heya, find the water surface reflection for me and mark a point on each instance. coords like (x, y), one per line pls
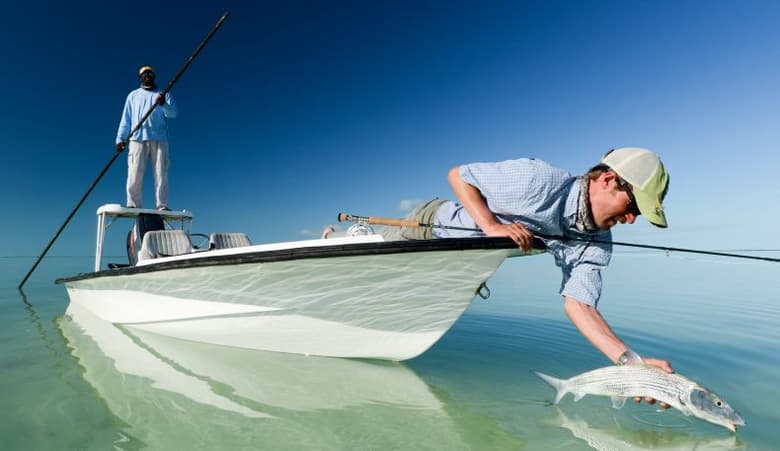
(619, 437)
(174, 394)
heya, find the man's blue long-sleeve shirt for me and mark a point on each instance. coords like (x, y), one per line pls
(155, 127)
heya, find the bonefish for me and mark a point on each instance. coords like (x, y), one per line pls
(622, 382)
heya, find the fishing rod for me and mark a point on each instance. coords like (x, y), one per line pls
(117, 152)
(393, 222)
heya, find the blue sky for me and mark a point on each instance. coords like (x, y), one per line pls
(295, 112)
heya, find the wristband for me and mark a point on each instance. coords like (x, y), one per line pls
(628, 357)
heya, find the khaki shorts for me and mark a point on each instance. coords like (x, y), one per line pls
(424, 214)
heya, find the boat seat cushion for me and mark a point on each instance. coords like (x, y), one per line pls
(164, 243)
(222, 240)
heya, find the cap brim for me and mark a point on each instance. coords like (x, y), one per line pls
(651, 207)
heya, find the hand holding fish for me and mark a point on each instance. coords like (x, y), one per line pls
(596, 329)
(664, 365)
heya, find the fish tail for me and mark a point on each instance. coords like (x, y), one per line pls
(558, 384)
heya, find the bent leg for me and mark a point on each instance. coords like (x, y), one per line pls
(423, 214)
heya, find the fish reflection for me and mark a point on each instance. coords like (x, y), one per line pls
(630, 440)
(174, 394)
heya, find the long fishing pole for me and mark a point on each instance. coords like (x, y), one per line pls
(393, 222)
(117, 152)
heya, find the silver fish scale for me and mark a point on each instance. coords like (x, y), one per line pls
(631, 380)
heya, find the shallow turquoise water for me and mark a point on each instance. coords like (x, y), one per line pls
(717, 320)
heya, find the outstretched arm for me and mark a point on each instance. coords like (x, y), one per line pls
(471, 199)
(596, 330)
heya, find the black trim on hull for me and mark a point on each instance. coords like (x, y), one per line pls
(341, 250)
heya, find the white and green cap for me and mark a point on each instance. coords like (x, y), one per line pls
(643, 169)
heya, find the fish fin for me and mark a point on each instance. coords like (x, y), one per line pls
(618, 402)
(578, 396)
(558, 384)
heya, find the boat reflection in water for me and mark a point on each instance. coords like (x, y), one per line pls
(175, 394)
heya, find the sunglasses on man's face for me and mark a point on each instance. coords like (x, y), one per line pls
(633, 208)
(148, 73)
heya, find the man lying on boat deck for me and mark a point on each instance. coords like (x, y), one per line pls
(516, 198)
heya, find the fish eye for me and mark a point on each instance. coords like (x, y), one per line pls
(719, 403)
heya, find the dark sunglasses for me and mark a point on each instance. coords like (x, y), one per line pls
(147, 72)
(633, 208)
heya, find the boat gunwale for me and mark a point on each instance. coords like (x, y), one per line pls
(309, 252)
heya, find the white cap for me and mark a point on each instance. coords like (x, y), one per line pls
(643, 169)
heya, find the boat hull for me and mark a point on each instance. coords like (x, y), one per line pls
(377, 301)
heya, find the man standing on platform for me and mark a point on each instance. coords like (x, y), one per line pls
(150, 141)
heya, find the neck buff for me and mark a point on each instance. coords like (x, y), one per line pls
(584, 221)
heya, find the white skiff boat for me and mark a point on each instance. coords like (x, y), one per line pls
(352, 296)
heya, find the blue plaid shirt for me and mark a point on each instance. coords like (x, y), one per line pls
(544, 199)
